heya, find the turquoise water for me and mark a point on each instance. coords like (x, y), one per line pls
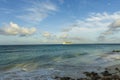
(32, 57)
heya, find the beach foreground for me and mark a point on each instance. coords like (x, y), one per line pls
(92, 73)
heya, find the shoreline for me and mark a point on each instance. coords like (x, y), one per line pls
(48, 74)
(69, 74)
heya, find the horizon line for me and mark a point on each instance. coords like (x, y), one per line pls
(59, 44)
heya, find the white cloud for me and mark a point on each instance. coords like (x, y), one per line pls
(103, 16)
(74, 39)
(64, 35)
(15, 29)
(61, 37)
(47, 34)
(38, 11)
(94, 26)
(86, 30)
(86, 26)
(113, 28)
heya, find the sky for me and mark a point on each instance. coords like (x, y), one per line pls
(58, 21)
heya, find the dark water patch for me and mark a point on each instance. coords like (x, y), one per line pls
(6, 67)
(99, 58)
(10, 51)
(68, 56)
(18, 51)
(42, 58)
(46, 65)
(10, 62)
(82, 54)
(39, 59)
(74, 55)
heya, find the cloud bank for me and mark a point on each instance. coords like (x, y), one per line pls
(113, 28)
(15, 29)
(97, 27)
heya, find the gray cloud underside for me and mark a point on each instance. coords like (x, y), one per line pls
(113, 28)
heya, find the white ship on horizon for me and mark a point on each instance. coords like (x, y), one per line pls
(67, 42)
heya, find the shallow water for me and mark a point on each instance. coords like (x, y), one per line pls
(30, 58)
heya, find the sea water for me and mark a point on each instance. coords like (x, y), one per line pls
(45, 61)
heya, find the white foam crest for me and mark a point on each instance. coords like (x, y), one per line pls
(113, 57)
(42, 74)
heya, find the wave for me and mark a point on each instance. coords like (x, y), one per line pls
(109, 58)
(47, 74)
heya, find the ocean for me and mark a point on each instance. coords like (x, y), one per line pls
(29, 61)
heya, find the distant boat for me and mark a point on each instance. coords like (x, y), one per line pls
(67, 43)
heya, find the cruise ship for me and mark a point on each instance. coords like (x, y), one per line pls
(67, 43)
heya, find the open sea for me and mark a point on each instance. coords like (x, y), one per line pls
(43, 62)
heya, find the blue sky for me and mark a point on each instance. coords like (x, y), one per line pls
(57, 21)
